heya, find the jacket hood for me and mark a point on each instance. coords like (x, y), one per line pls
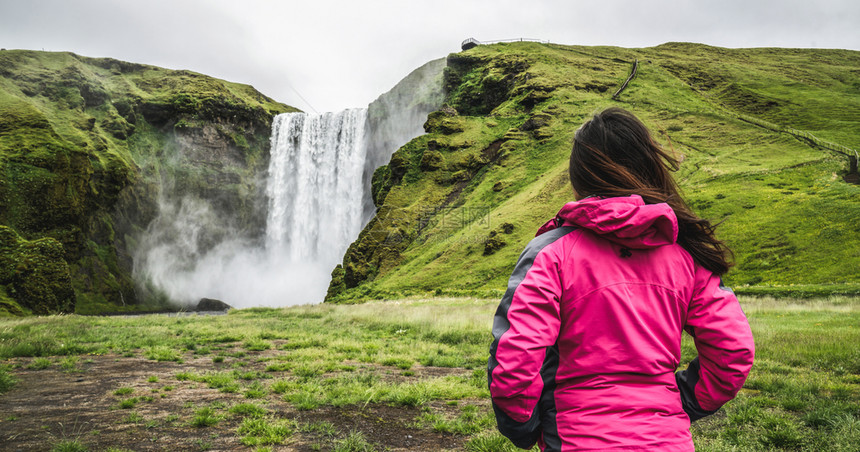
(627, 221)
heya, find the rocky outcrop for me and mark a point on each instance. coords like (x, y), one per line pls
(451, 157)
(212, 305)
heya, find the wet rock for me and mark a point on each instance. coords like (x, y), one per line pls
(211, 304)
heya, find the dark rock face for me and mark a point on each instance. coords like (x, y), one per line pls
(211, 304)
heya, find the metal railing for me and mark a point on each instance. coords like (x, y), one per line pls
(835, 147)
(472, 42)
(469, 43)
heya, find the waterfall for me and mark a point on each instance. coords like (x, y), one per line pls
(315, 186)
(315, 193)
(316, 203)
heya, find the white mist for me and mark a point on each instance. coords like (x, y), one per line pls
(315, 195)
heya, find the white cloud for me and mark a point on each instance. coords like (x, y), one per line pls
(341, 54)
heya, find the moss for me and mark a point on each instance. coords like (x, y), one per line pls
(8, 305)
(34, 275)
(536, 122)
(476, 85)
(380, 183)
(431, 160)
(444, 122)
(240, 141)
(337, 285)
(493, 243)
(117, 126)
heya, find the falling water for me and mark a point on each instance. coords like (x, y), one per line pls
(315, 186)
(315, 196)
(318, 198)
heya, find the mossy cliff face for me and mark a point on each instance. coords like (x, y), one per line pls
(397, 116)
(34, 276)
(87, 147)
(394, 118)
(457, 205)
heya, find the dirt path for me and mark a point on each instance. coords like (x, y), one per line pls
(52, 405)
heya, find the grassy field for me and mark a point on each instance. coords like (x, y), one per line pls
(407, 374)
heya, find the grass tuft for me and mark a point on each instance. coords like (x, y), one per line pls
(39, 364)
(128, 403)
(7, 380)
(205, 417)
(355, 441)
(248, 410)
(69, 446)
(163, 353)
(263, 431)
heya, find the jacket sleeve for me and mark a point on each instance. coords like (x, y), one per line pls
(526, 324)
(725, 345)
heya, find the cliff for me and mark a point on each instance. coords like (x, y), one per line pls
(89, 147)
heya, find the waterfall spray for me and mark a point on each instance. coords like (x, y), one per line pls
(315, 196)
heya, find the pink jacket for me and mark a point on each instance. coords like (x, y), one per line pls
(588, 334)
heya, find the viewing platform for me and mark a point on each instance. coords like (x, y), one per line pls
(472, 42)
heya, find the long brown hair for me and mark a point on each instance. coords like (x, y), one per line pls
(615, 155)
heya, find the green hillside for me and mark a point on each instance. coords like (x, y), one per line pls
(457, 205)
(87, 146)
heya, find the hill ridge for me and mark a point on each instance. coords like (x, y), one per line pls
(530, 97)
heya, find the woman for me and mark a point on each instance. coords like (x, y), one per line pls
(588, 334)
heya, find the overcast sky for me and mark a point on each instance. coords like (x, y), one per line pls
(329, 55)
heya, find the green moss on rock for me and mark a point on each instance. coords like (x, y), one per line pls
(380, 183)
(432, 160)
(337, 285)
(33, 275)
